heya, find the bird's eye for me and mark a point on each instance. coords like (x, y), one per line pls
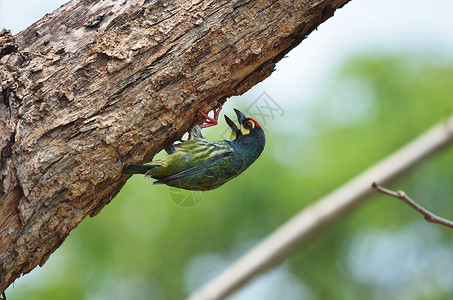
(248, 125)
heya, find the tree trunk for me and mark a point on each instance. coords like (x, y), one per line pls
(100, 84)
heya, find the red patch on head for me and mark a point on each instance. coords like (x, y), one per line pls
(256, 123)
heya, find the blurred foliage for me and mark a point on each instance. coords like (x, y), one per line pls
(143, 246)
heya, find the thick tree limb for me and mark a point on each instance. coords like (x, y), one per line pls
(322, 213)
(99, 84)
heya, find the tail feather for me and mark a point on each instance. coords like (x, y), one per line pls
(137, 169)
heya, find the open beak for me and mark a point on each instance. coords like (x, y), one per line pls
(241, 116)
(232, 125)
(241, 119)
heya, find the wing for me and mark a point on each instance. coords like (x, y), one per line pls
(200, 150)
(190, 154)
(195, 175)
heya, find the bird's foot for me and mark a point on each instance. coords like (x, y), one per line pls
(209, 122)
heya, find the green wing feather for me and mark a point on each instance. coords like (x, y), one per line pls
(201, 176)
(189, 154)
(197, 164)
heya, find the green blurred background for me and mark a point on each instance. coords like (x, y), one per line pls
(145, 246)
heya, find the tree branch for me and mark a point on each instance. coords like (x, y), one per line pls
(429, 216)
(323, 213)
(99, 84)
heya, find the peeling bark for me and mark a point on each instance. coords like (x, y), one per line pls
(100, 84)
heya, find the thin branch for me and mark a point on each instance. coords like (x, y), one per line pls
(429, 216)
(323, 213)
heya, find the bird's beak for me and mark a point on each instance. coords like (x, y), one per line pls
(241, 116)
(231, 124)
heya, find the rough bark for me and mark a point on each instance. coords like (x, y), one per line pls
(100, 84)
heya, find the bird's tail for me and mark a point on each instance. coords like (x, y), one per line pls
(137, 169)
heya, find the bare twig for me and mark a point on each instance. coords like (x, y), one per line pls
(429, 216)
(323, 213)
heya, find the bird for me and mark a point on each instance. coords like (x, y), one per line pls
(198, 164)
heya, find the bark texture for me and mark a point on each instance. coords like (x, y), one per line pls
(99, 84)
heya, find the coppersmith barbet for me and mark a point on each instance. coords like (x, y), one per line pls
(199, 164)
